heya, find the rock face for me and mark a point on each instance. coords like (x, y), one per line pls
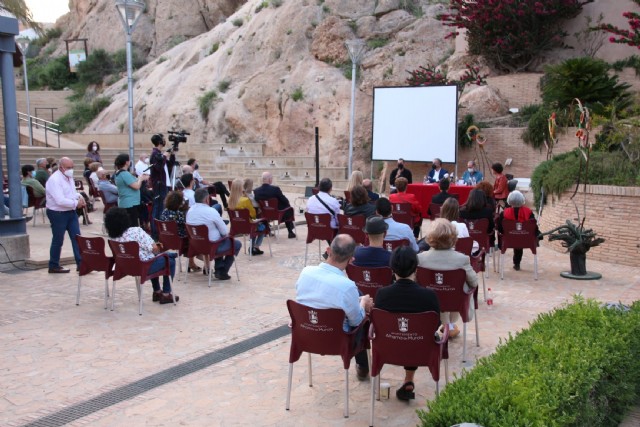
(286, 72)
(483, 102)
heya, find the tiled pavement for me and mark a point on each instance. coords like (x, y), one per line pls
(55, 354)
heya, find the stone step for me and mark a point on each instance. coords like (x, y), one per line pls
(223, 150)
(262, 162)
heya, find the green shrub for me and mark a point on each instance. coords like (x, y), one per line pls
(98, 65)
(276, 3)
(537, 131)
(261, 6)
(377, 42)
(214, 48)
(237, 22)
(52, 73)
(119, 58)
(559, 174)
(575, 366)
(82, 113)
(468, 120)
(223, 86)
(205, 102)
(297, 94)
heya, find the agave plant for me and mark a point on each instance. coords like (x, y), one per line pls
(578, 241)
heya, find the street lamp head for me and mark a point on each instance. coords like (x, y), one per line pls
(356, 48)
(23, 44)
(130, 11)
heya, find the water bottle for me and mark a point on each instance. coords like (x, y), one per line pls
(489, 299)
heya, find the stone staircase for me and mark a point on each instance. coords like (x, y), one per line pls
(42, 100)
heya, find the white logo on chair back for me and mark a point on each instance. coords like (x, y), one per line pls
(439, 278)
(471, 225)
(518, 226)
(266, 203)
(389, 247)
(89, 244)
(316, 219)
(237, 214)
(121, 247)
(164, 227)
(313, 317)
(398, 206)
(349, 221)
(403, 324)
(366, 275)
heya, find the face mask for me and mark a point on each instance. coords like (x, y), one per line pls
(400, 166)
(94, 148)
(433, 167)
(197, 166)
(69, 173)
(33, 174)
(146, 160)
(470, 170)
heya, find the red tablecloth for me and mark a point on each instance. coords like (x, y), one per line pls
(424, 193)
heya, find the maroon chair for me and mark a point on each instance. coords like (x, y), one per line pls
(94, 258)
(199, 244)
(478, 229)
(320, 331)
(519, 235)
(318, 228)
(434, 211)
(37, 203)
(79, 185)
(401, 212)
(406, 339)
(171, 241)
(464, 245)
(347, 196)
(478, 263)
(390, 245)
(128, 263)
(243, 225)
(93, 191)
(370, 279)
(106, 205)
(449, 287)
(271, 212)
(354, 227)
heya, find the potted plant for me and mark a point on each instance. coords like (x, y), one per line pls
(578, 241)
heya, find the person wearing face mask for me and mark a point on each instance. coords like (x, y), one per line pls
(42, 173)
(400, 171)
(128, 189)
(62, 202)
(221, 189)
(161, 169)
(142, 165)
(472, 176)
(29, 180)
(437, 173)
(93, 152)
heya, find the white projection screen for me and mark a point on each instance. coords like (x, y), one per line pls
(415, 123)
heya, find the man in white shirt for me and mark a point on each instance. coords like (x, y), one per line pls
(323, 202)
(143, 165)
(202, 214)
(62, 202)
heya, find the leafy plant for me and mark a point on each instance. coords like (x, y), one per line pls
(433, 76)
(205, 102)
(52, 73)
(378, 42)
(161, 60)
(214, 48)
(261, 6)
(537, 131)
(412, 6)
(237, 22)
(223, 86)
(511, 34)
(298, 94)
(467, 121)
(82, 113)
(276, 3)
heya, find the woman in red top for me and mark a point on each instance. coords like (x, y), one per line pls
(500, 186)
(516, 211)
(403, 197)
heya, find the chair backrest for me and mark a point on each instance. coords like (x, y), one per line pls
(370, 279)
(269, 209)
(127, 257)
(405, 339)
(106, 205)
(519, 235)
(168, 235)
(240, 222)
(319, 227)
(93, 191)
(390, 245)
(347, 196)
(353, 226)
(79, 185)
(464, 245)
(199, 243)
(32, 200)
(93, 256)
(478, 230)
(434, 211)
(401, 212)
(449, 287)
(317, 331)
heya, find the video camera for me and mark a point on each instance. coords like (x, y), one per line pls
(177, 137)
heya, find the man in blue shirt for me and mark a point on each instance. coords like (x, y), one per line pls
(326, 286)
(374, 255)
(472, 176)
(396, 230)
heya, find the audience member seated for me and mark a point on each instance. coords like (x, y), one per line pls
(500, 186)
(327, 286)
(487, 189)
(442, 236)
(42, 174)
(403, 197)
(323, 202)
(517, 211)
(359, 203)
(269, 191)
(396, 230)
(187, 182)
(175, 208)
(221, 189)
(374, 255)
(93, 176)
(109, 190)
(368, 185)
(29, 180)
(477, 208)
(202, 214)
(355, 179)
(118, 228)
(406, 296)
(239, 200)
(247, 185)
(451, 212)
(443, 195)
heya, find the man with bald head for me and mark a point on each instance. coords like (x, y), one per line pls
(268, 191)
(62, 202)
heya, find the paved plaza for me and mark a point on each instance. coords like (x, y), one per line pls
(56, 355)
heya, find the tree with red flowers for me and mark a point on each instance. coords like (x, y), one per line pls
(511, 34)
(629, 37)
(431, 76)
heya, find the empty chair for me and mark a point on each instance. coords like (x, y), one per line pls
(170, 239)
(370, 279)
(243, 225)
(199, 244)
(449, 286)
(271, 212)
(390, 245)
(354, 227)
(405, 339)
(318, 228)
(94, 258)
(519, 235)
(319, 331)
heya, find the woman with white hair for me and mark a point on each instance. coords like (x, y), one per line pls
(516, 211)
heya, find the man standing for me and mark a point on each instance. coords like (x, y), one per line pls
(268, 191)
(202, 214)
(161, 169)
(396, 230)
(400, 171)
(374, 255)
(323, 202)
(368, 185)
(437, 173)
(326, 286)
(62, 202)
(42, 174)
(472, 176)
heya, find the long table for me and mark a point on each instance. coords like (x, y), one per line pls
(424, 193)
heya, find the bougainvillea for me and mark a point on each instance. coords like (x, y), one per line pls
(431, 76)
(511, 33)
(629, 37)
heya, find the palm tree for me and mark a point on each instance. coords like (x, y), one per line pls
(20, 10)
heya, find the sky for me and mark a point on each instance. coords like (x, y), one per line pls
(47, 10)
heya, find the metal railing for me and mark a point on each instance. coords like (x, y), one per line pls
(38, 123)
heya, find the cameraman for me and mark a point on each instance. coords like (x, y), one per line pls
(161, 165)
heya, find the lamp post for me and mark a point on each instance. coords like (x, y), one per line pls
(356, 51)
(23, 44)
(130, 11)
